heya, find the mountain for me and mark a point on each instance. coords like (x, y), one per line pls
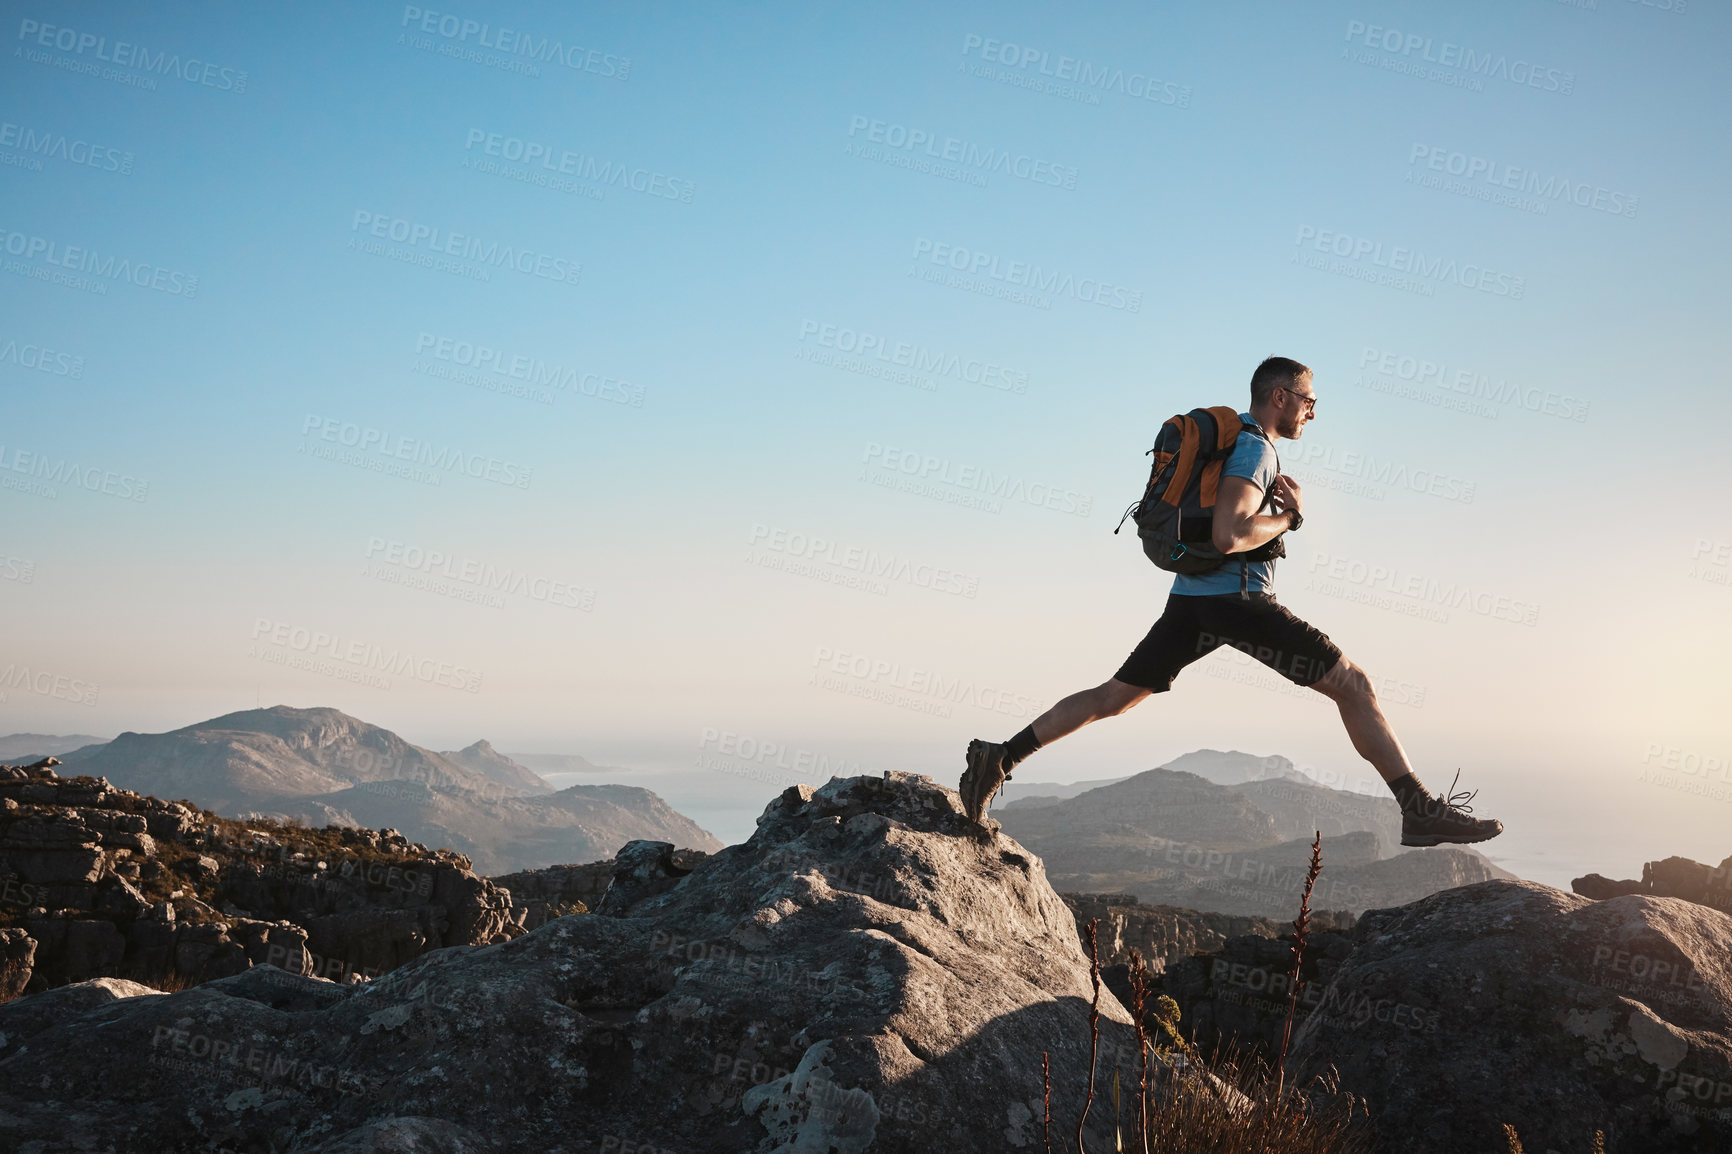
(1229, 768)
(482, 758)
(1300, 806)
(323, 767)
(18, 748)
(1233, 768)
(1170, 837)
(1033, 794)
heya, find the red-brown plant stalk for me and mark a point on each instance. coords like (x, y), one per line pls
(1301, 931)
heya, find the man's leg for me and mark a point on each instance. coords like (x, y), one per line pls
(1425, 820)
(989, 765)
(1106, 700)
(1350, 689)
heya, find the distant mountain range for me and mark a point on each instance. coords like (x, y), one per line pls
(323, 767)
(23, 748)
(1172, 837)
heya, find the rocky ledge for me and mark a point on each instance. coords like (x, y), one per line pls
(102, 882)
(868, 972)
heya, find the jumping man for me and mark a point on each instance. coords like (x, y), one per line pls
(1235, 605)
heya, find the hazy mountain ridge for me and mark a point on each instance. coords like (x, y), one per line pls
(1171, 837)
(322, 766)
(27, 747)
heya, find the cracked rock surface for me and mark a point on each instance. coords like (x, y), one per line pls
(1512, 1001)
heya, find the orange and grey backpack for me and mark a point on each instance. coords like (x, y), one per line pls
(1176, 515)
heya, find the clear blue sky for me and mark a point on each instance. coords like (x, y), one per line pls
(776, 269)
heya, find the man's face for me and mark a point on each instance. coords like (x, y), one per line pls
(1297, 407)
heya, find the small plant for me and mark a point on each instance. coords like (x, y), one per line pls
(1300, 935)
(1046, 1078)
(1094, 1029)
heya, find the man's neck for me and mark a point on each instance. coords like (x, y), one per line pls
(1264, 417)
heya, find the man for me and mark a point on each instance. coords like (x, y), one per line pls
(1255, 503)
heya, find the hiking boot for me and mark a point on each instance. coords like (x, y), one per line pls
(985, 773)
(1441, 820)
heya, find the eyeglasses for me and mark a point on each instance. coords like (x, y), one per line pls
(1310, 399)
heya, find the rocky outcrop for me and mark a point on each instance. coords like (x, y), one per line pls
(1160, 934)
(557, 891)
(101, 882)
(868, 972)
(1238, 994)
(1510, 1001)
(1674, 877)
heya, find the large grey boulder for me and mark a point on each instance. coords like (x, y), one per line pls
(869, 972)
(1513, 1002)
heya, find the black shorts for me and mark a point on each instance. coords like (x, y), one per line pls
(1194, 627)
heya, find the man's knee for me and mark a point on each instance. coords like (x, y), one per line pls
(1346, 682)
(1118, 696)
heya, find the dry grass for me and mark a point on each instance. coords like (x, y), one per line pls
(1230, 1103)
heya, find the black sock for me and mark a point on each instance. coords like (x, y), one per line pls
(1409, 794)
(1019, 747)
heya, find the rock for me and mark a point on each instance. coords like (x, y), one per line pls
(1546, 1010)
(17, 960)
(1241, 991)
(868, 972)
(641, 870)
(1161, 934)
(75, 949)
(89, 1003)
(1599, 888)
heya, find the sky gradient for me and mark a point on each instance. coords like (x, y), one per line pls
(607, 380)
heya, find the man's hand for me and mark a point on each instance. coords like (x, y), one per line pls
(1287, 494)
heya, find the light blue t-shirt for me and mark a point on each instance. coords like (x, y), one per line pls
(1252, 458)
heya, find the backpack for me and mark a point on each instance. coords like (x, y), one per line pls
(1176, 515)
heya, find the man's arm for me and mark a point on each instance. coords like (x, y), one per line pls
(1238, 526)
